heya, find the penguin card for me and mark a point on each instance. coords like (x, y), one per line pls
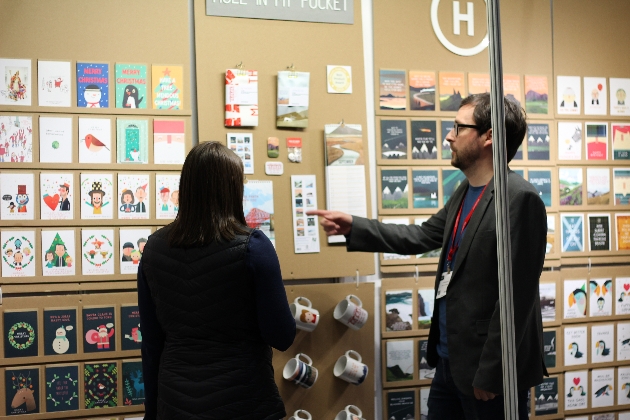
(57, 195)
(398, 310)
(132, 141)
(133, 196)
(600, 297)
(17, 83)
(570, 140)
(575, 298)
(426, 300)
(546, 397)
(399, 360)
(131, 86)
(575, 346)
(572, 232)
(18, 253)
(97, 196)
(62, 388)
(58, 252)
(569, 95)
(16, 139)
(130, 324)
(602, 343)
(55, 139)
(100, 385)
(97, 250)
(22, 393)
(17, 191)
(166, 196)
(169, 142)
(576, 390)
(241, 98)
(20, 334)
(92, 85)
(602, 387)
(54, 83)
(623, 341)
(538, 141)
(133, 382)
(167, 83)
(595, 96)
(622, 296)
(98, 329)
(132, 243)
(60, 331)
(619, 101)
(623, 386)
(95, 140)
(547, 293)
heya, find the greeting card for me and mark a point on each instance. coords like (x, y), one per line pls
(595, 96)
(133, 383)
(398, 310)
(546, 397)
(512, 88)
(603, 343)
(95, 140)
(623, 386)
(575, 346)
(575, 296)
(570, 182)
(132, 141)
(622, 296)
(17, 84)
(598, 186)
(97, 194)
(422, 90)
(572, 232)
(401, 404)
(619, 89)
(550, 348)
(167, 83)
(622, 228)
(451, 180)
(399, 360)
(551, 234)
(133, 196)
(425, 189)
(58, 253)
(424, 139)
(394, 139)
(243, 145)
(547, 292)
(169, 145)
(621, 181)
(394, 189)
(57, 195)
(392, 95)
(425, 371)
(62, 388)
(22, 394)
(93, 85)
(541, 180)
(60, 331)
(599, 232)
(20, 334)
(241, 98)
(16, 191)
(55, 139)
(16, 139)
(570, 140)
(538, 141)
(100, 385)
(426, 300)
(623, 341)
(98, 327)
(258, 207)
(131, 86)
(536, 94)
(97, 248)
(621, 141)
(131, 331)
(54, 83)
(569, 95)
(478, 83)
(292, 102)
(602, 387)
(132, 242)
(451, 87)
(166, 196)
(447, 127)
(18, 253)
(596, 140)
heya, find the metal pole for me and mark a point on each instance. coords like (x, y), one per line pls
(501, 205)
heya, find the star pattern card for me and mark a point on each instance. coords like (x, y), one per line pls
(132, 243)
(166, 196)
(57, 195)
(132, 141)
(99, 330)
(58, 252)
(22, 392)
(55, 139)
(16, 139)
(17, 191)
(54, 83)
(62, 388)
(97, 249)
(169, 142)
(133, 196)
(97, 196)
(100, 382)
(95, 140)
(60, 332)
(17, 82)
(18, 253)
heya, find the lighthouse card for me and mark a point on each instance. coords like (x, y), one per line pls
(575, 346)
(424, 139)
(258, 207)
(58, 252)
(16, 139)
(57, 195)
(22, 391)
(132, 242)
(602, 387)
(97, 249)
(97, 195)
(98, 328)
(167, 83)
(595, 96)
(54, 83)
(569, 140)
(17, 192)
(133, 382)
(132, 141)
(131, 86)
(131, 334)
(62, 388)
(603, 343)
(60, 331)
(133, 196)
(92, 85)
(56, 136)
(169, 142)
(18, 253)
(167, 196)
(21, 335)
(17, 83)
(95, 140)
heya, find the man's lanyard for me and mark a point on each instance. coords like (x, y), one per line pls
(455, 246)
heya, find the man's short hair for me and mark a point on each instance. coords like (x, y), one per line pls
(515, 120)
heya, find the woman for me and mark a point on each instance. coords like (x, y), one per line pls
(212, 302)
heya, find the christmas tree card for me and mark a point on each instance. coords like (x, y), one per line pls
(133, 382)
(93, 85)
(292, 102)
(58, 252)
(602, 387)
(21, 334)
(599, 232)
(18, 253)
(62, 388)
(166, 196)
(100, 385)
(241, 98)
(16, 139)
(57, 195)
(169, 141)
(98, 327)
(60, 332)
(569, 140)
(132, 141)
(131, 333)
(623, 341)
(132, 243)
(55, 139)
(603, 343)
(97, 248)
(133, 196)
(538, 141)
(22, 394)
(17, 191)
(424, 139)
(16, 82)
(131, 86)
(54, 83)
(95, 140)
(167, 83)
(575, 346)
(97, 195)
(622, 296)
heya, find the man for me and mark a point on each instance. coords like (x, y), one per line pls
(141, 194)
(60, 251)
(64, 203)
(126, 254)
(465, 337)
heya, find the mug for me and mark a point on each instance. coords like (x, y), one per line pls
(306, 317)
(351, 314)
(350, 369)
(347, 414)
(296, 415)
(299, 372)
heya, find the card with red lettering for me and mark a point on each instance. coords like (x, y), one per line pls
(241, 98)
(131, 86)
(130, 321)
(98, 326)
(92, 85)
(60, 333)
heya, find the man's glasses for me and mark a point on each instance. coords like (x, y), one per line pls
(457, 126)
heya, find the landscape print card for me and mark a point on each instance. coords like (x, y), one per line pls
(130, 324)
(575, 296)
(512, 88)
(622, 296)
(394, 139)
(62, 388)
(623, 386)
(241, 98)
(452, 90)
(293, 98)
(100, 382)
(258, 208)
(132, 242)
(22, 381)
(550, 346)
(601, 297)
(131, 86)
(92, 85)
(541, 180)
(447, 127)
(572, 232)
(569, 140)
(95, 140)
(596, 140)
(167, 83)
(394, 189)
(424, 370)
(599, 232)
(451, 180)
(99, 330)
(603, 343)
(398, 310)
(619, 90)
(132, 141)
(133, 382)
(56, 137)
(422, 90)
(570, 182)
(569, 95)
(97, 248)
(18, 201)
(425, 189)
(538, 142)
(623, 341)
(60, 331)
(166, 196)
(426, 300)
(169, 142)
(598, 186)
(424, 139)
(58, 252)
(133, 196)
(401, 404)
(478, 83)
(431, 254)
(575, 346)
(546, 397)
(17, 82)
(399, 360)
(595, 96)
(16, 139)
(621, 141)
(21, 335)
(551, 234)
(57, 195)
(97, 195)
(392, 90)
(602, 387)
(18, 253)
(547, 293)
(622, 227)
(536, 94)
(396, 221)
(54, 83)
(621, 181)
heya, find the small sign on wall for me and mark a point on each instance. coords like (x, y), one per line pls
(322, 11)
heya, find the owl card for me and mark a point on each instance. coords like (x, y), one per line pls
(132, 141)
(98, 328)
(623, 386)
(18, 253)
(62, 388)
(55, 139)
(132, 243)
(58, 252)
(100, 381)
(54, 83)
(22, 393)
(570, 140)
(97, 249)
(569, 95)
(167, 196)
(133, 196)
(97, 196)
(60, 331)
(20, 334)
(602, 387)
(16, 139)
(57, 195)
(16, 82)
(622, 296)
(603, 343)
(169, 146)
(575, 346)
(131, 86)
(601, 297)
(17, 196)
(575, 299)
(131, 334)
(95, 140)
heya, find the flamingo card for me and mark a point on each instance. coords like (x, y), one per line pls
(95, 140)
(97, 250)
(58, 252)
(17, 192)
(18, 253)
(55, 139)
(57, 195)
(97, 196)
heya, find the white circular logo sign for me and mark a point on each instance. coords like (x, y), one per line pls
(466, 52)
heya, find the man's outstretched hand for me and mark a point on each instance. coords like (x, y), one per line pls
(333, 222)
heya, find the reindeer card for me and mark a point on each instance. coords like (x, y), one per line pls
(58, 252)
(575, 346)
(130, 322)
(18, 253)
(97, 196)
(20, 334)
(622, 296)
(623, 385)
(602, 343)
(16, 139)
(133, 382)
(98, 327)
(623, 341)
(54, 83)
(133, 196)
(167, 196)
(132, 141)
(602, 387)
(97, 249)
(169, 146)
(17, 196)
(601, 297)
(16, 82)
(60, 331)
(22, 393)
(570, 140)
(576, 390)
(100, 381)
(95, 140)
(57, 195)
(62, 388)
(56, 136)
(132, 243)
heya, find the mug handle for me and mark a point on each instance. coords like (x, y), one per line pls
(309, 361)
(297, 300)
(308, 415)
(357, 357)
(358, 411)
(356, 298)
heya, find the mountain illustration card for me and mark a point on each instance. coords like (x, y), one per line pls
(399, 360)
(546, 397)
(100, 382)
(167, 84)
(598, 186)
(131, 332)
(62, 388)
(17, 191)
(18, 253)
(392, 94)
(394, 189)
(452, 90)
(22, 392)
(425, 188)
(98, 328)
(424, 139)
(131, 86)
(97, 250)
(398, 310)
(394, 139)
(536, 94)
(538, 141)
(58, 252)
(57, 195)
(97, 196)
(169, 147)
(21, 335)
(292, 99)
(60, 331)
(93, 85)
(422, 90)
(54, 83)
(95, 140)
(133, 382)
(446, 127)
(570, 182)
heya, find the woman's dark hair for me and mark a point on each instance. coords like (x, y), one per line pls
(130, 194)
(210, 197)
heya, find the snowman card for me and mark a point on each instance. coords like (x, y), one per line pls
(130, 321)
(62, 388)
(167, 196)
(55, 139)
(18, 253)
(601, 297)
(20, 333)
(58, 252)
(17, 196)
(602, 387)
(93, 85)
(169, 145)
(54, 83)
(97, 250)
(132, 243)
(576, 390)
(133, 196)
(16, 139)
(622, 296)
(57, 195)
(97, 196)
(132, 141)
(602, 343)
(17, 83)
(60, 331)
(95, 140)
(98, 326)
(575, 346)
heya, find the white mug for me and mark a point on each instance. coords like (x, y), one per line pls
(351, 314)
(300, 372)
(306, 317)
(296, 415)
(350, 369)
(347, 414)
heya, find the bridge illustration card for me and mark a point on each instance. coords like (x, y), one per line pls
(57, 195)
(392, 94)
(60, 331)
(623, 341)
(17, 82)
(131, 86)
(394, 189)
(575, 346)
(622, 296)
(58, 253)
(20, 334)
(425, 189)
(166, 196)
(576, 390)
(293, 98)
(258, 207)
(18, 253)
(62, 388)
(422, 90)
(100, 385)
(546, 397)
(398, 310)
(54, 83)
(167, 83)
(547, 292)
(133, 382)
(16, 139)
(572, 232)
(395, 221)
(169, 146)
(541, 180)
(56, 138)
(619, 101)
(93, 85)
(131, 247)
(623, 385)
(452, 90)
(133, 196)
(98, 327)
(22, 392)
(130, 324)
(451, 180)
(538, 142)
(132, 141)
(17, 196)
(575, 298)
(602, 387)
(536, 94)
(595, 96)
(603, 343)
(550, 353)
(95, 140)
(393, 139)
(620, 141)
(570, 140)
(401, 404)
(569, 95)
(596, 140)
(570, 183)
(597, 186)
(97, 249)
(425, 372)
(424, 139)
(446, 126)
(599, 232)
(97, 195)
(399, 360)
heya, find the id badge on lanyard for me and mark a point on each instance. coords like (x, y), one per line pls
(446, 279)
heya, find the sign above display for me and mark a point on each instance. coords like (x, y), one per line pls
(321, 11)
(458, 19)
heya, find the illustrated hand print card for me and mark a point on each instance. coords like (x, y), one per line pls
(17, 192)
(62, 388)
(54, 83)
(55, 139)
(97, 194)
(132, 243)
(132, 336)
(60, 333)
(20, 338)
(132, 141)
(133, 196)
(167, 196)
(16, 139)
(131, 86)
(97, 249)
(56, 191)
(95, 140)
(22, 390)
(18, 253)
(98, 325)
(58, 252)
(169, 146)
(17, 83)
